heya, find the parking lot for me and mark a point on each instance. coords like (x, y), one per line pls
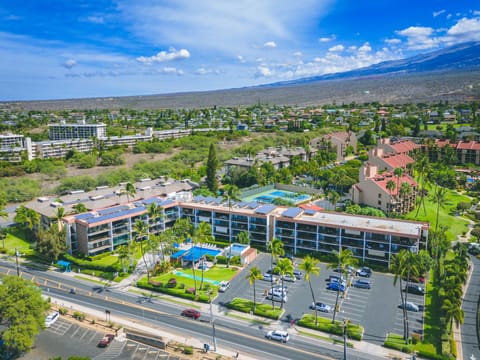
(66, 338)
(376, 309)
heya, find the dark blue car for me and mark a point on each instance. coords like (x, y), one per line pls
(335, 286)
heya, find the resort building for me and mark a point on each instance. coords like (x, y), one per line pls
(389, 162)
(397, 147)
(302, 231)
(339, 141)
(13, 147)
(384, 191)
(80, 130)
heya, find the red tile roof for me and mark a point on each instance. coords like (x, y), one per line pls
(404, 146)
(398, 160)
(382, 180)
(468, 145)
(310, 207)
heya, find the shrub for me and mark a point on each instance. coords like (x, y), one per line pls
(188, 350)
(172, 282)
(63, 311)
(190, 291)
(181, 286)
(79, 315)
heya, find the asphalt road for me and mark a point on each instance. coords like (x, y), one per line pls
(470, 345)
(230, 332)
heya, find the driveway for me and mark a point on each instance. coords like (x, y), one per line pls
(470, 345)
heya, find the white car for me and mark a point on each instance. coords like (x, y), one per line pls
(51, 318)
(278, 335)
(277, 291)
(288, 277)
(277, 297)
(224, 285)
(269, 277)
(321, 307)
(409, 306)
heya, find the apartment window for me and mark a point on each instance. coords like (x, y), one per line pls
(379, 202)
(379, 196)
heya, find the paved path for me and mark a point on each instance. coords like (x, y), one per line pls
(470, 345)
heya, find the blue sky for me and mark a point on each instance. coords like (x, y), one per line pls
(56, 49)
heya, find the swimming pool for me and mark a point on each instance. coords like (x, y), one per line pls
(271, 195)
(197, 252)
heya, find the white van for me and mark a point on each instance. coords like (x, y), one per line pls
(51, 318)
(277, 297)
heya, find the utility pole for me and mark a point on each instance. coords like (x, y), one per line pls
(345, 324)
(16, 261)
(212, 320)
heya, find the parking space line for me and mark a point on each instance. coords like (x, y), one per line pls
(75, 332)
(94, 335)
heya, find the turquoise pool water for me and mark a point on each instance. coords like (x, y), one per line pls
(270, 196)
(199, 278)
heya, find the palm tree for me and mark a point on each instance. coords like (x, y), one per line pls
(453, 312)
(243, 238)
(231, 193)
(128, 190)
(155, 213)
(405, 190)
(344, 258)
(422, 166)
(27, 217)
(183, 229)
(310, 266)
(398, 172)
(58, 217)
(122, 256)
(398, 267)
(439, 197)
(79, 208)
(284, 267)
(333, 197)
(391, 185)
(275, 247)
(203, 233)
(141, 230)
(254, 275)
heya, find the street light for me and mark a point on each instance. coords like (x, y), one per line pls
(16, 261)
(345, 324)
(212, 320)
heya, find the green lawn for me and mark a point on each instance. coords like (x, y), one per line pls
(457, 225)
(15, 239)
(218, 273)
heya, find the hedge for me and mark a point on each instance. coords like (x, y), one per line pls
(88, 264)
(178, 292)
(354, 331)
(264, 310)
(394, 344)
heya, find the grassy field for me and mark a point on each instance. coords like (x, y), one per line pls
(447, 214)
(15, 240)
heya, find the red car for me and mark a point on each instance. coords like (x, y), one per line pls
(191, 313)
(106, 340)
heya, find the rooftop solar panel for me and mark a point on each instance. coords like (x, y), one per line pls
(112, 210)
(198, 198)
(252, 204)
(166, 202)
(242, 204)
(152, 200)
(310, 212)
(84, 216)
(209, 199)
(265, 209)
(292, 212)
(218, 200)
(96, 219)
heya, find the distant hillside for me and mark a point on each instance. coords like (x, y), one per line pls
(451, 74)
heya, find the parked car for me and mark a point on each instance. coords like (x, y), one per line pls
(279, 288)
(278, 335)
(409, 306)
(321, 307)
(51, 318)
(289, 278)
(336, 286)
(269, 277)
(336, 278)
(224, 285)
(364, 271)
(106, 340)
(415, 289)
(277, 291)
(362, 284)
(277, 297)
(191, 313)
(298, 274)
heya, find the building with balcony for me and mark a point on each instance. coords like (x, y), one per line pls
(80, 130)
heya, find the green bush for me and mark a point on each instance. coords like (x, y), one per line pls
(264, 310)
(79, 315)
(178, 291)
(354, 331)
(88, 264)
(63, 311)
(188, 350)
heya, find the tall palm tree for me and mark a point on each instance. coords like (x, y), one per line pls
(243, 238)
(129, 190)
(29, 218)
(231, 193)
(203, 233)
(284, 267)
(155, 213)
(58, 217)
(275, 247)
(398, 267)
(254, 274)
(122, 256)
(391, 185)
(333, 197)
(405, 190)
(141, 229)
(343, 259)
(310, 266)
(422, 166)
(453, 312)
(184, 229)
(398, 172)
(439, 197)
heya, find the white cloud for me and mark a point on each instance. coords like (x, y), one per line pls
(171, 71)
(419, 37)
(95, 19)
(241, 59)
(393, 41)
(437, 13)
(163, 56)
(327, 39)
(337, 48)
(205, 71)
(264, 71)
(476, 12)
(270, 44)
(297, 54)
(69, 63)
(464, 30)
(365, 48)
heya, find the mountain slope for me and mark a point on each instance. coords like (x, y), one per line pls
(462, 56)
